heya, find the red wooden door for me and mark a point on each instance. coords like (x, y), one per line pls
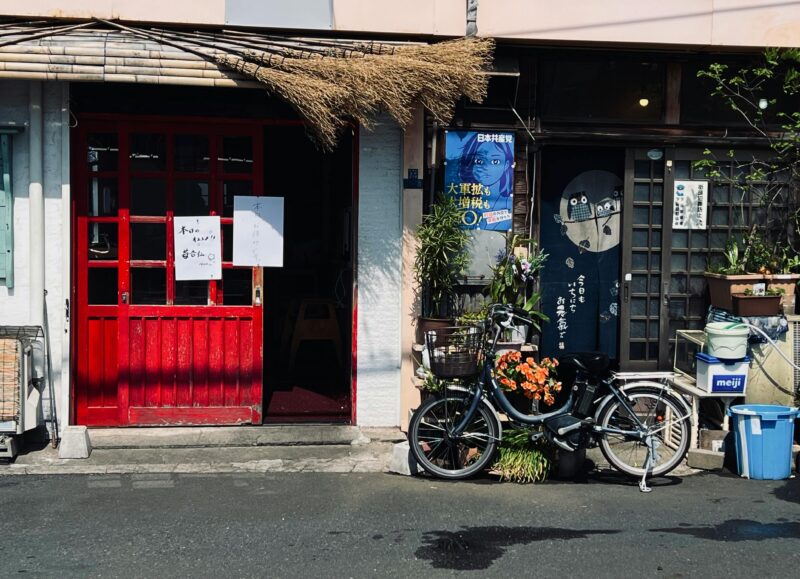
(150, 349)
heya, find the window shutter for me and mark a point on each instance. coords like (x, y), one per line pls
(6, 213)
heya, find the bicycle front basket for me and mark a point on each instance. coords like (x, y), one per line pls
(455, 352)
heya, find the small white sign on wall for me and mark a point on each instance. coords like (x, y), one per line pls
(690, 205)
(258, 231)
(198, 248)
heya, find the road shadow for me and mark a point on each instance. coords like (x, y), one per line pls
(613, 477)
(735, 530)
(790, 491)
(477, 548)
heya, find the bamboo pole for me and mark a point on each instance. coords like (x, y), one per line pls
(47, 33)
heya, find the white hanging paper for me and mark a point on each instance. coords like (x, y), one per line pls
(258, 231)
(690, 205)
(198, 248)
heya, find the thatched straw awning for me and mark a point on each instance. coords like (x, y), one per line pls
(329, 82)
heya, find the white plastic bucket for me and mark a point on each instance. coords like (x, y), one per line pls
(726, 340)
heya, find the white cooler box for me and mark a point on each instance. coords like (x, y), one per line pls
(717, 376)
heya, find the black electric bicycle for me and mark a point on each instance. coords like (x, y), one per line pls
(641, 425)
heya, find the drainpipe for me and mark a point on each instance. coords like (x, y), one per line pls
(66, 255)
(472, 17)
(36, 205)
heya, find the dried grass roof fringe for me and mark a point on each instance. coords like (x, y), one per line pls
(329, 91)
(329, 82)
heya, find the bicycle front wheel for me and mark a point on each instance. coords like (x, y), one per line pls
(442, 454)
(662, 416)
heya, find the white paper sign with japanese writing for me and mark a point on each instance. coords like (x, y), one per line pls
(198, 248)
(258, 231)
(690, 206)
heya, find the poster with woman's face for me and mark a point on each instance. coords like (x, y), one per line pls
(479, 175)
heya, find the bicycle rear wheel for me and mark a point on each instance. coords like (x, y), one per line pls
(446, 456)
(662, 415)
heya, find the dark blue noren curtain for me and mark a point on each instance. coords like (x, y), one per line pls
(581, 230)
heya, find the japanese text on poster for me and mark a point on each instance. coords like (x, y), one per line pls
(198, 245)
(258, 231)
(479, 175)
(690, 205)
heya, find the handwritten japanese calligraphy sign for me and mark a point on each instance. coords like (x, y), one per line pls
(258, 231)
(198, 248)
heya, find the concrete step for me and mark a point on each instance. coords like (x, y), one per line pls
(224, 436)
(366, 457)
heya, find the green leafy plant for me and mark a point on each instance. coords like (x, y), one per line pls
(472, 318)
(770, 291)
(757, 92)
(789, 263)
(732, 265)
(513, 276)
(441, 256)
(522, 461)
(432, 384)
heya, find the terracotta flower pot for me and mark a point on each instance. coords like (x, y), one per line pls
(787, 282)
(748, 306)
(427, 324)
(721, 287)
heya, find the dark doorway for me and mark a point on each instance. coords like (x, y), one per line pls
(581, 226)
(308, 302)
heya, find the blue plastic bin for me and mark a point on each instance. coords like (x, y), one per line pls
(763, 434)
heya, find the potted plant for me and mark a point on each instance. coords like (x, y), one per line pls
(521, 459)
(518, 266)
(759, 92)
(785, 279)
(732, 276)
(748, 304)
(441, 257)
(430, 385)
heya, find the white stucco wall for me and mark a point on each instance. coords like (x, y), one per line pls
(379, 275)
(15, 302)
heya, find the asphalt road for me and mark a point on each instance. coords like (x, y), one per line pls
(380, 525)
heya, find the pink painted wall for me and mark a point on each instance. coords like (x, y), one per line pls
(664, 22)
(177, 11)
(434, 17)
(694, 22)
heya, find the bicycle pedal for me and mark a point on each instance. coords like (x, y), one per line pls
(562, 444)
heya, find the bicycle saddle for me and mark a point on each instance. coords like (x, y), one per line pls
(590, 362)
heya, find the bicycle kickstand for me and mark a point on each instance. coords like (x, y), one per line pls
(649, 462)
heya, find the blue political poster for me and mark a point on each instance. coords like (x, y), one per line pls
(479, 175)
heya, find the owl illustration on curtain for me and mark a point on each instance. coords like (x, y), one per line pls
(606, 207)
(578, 207)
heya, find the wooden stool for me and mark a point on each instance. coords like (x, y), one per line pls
(316, 320)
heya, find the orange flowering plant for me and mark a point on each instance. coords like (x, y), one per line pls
(536, 381)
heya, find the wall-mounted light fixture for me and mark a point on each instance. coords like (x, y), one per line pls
(643, 102)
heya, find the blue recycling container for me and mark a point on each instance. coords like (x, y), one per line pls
(763, 434)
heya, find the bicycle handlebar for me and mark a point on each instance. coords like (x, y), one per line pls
(509, 311)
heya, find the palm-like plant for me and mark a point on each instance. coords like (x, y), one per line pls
(441, 256)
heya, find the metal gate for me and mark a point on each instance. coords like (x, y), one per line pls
(149, 349)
